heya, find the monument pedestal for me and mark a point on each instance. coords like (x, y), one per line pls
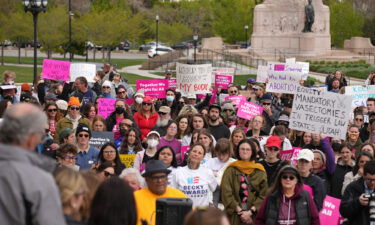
(278, 26)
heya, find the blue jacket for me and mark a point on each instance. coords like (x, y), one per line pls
(85, 161)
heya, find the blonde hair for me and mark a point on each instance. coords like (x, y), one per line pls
(9, 75)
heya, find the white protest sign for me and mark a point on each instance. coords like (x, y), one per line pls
(305, 69)
(283, 78)
(262, 74)
(360, 94)
(194, 79)
(82, 70)
(318, 112)
(290, 60)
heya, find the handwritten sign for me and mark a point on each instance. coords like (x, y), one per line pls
(235, 99)
(82, 70)
(99, 138)
(305, 69)
(128, 160)
(286, 155)
(283, 78)
(194, 79)
(262, 74)
(55, 69)
(106, 106)
(360, 94)
(223, 81)
(172, 84)
(154, 88)
(320, 112)
(184, 150)
(247, 110)
(330, 213)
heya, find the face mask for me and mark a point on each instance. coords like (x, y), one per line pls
(152, 143)
(138, 100)
(170, 98)
(119, 110)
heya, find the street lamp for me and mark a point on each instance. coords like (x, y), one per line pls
(71, 14)
(195, 38)
(246, 29)
(157, 34)
(35, 7)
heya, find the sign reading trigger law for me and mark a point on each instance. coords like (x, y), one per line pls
(194, 79)
(318, 112)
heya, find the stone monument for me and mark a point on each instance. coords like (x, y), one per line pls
(285, 27)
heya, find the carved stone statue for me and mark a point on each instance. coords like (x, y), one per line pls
(310, 16)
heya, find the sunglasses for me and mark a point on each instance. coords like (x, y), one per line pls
(145, 103)
(121, 92)
(227, 110)
(162, 113)
(233, 92)
(106, 87)
(156, 178)
(70, 157)
(74, 108)
(286, 177)
(52, 110)
(358, 119)
(273, 149)
(266, 103)
(83, 135)
(107, 174)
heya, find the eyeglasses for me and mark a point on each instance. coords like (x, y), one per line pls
(358, 119)
(156, 178)
(107, 174)
(264, 103)
(83, 135)
(226, 110)
(109, 152)
(69, 157)
(273, 149)
(286, 177)
(106, 87)
(162, 113)
(145, 103)
(233, 92)
(52, 110)
(121, 92)
(172, 128)
(74, 108)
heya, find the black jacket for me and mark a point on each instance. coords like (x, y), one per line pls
(110, 122)
(219, 131)
(317, 185)
(350, 207)
(337, 179)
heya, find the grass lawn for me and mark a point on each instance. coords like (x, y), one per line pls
(120, 62)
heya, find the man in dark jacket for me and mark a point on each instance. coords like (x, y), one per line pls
(358, 196)
(217, 129)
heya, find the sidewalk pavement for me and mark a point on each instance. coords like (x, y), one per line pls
(144, 73)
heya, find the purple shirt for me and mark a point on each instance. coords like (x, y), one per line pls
(174, 144)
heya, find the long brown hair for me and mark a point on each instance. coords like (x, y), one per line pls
(188, 129)
(58, 114)
(137, 144)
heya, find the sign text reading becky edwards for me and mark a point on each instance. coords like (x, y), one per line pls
(318, 112)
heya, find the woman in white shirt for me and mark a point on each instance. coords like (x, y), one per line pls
(195, 181)
(167, 155)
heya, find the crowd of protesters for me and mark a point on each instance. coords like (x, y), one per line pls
(232, 170)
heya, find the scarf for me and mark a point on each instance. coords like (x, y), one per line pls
(247, 167)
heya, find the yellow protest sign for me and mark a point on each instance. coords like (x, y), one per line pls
(128, 159)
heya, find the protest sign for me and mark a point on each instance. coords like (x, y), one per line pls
(283, 78)
(247, 110)
(360, 94)
(321, 87)
(184, 150)
(55, 69)
(194, 79)
(330, 213)
(290, 60)
(129, 101)
(82, 70)
(128, 160)
(212, 99)
(154, 88)
(223, 77)
(305, 69)
(222, 98)
(236, 100)
(286, 155)
(172, 83)
(99, 138)
(318, 112)
(106, 106)
(262, 74)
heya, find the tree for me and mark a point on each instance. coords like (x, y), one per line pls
(53, 29)
(345, 22)
(369, 29)
(231, 17)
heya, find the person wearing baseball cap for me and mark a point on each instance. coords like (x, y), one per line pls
(315, 184)
(272, 162)
(87, 155)
(146, 117)
(156, 176)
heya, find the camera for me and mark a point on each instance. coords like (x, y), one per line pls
(371, 198)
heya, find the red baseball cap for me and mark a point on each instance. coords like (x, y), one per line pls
(147, 99)
(273, 141)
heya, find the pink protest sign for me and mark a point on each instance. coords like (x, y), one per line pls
(296, 151)
(184, 149)
(309, 189)
(129, 101)
(279, 67)
(106, 106)
(153, 88)
(55, 69)
(247, 110)
(212, 99)
(286, 155)
(222, 81)
(172, 84)
(330, 213)
(236, 99)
